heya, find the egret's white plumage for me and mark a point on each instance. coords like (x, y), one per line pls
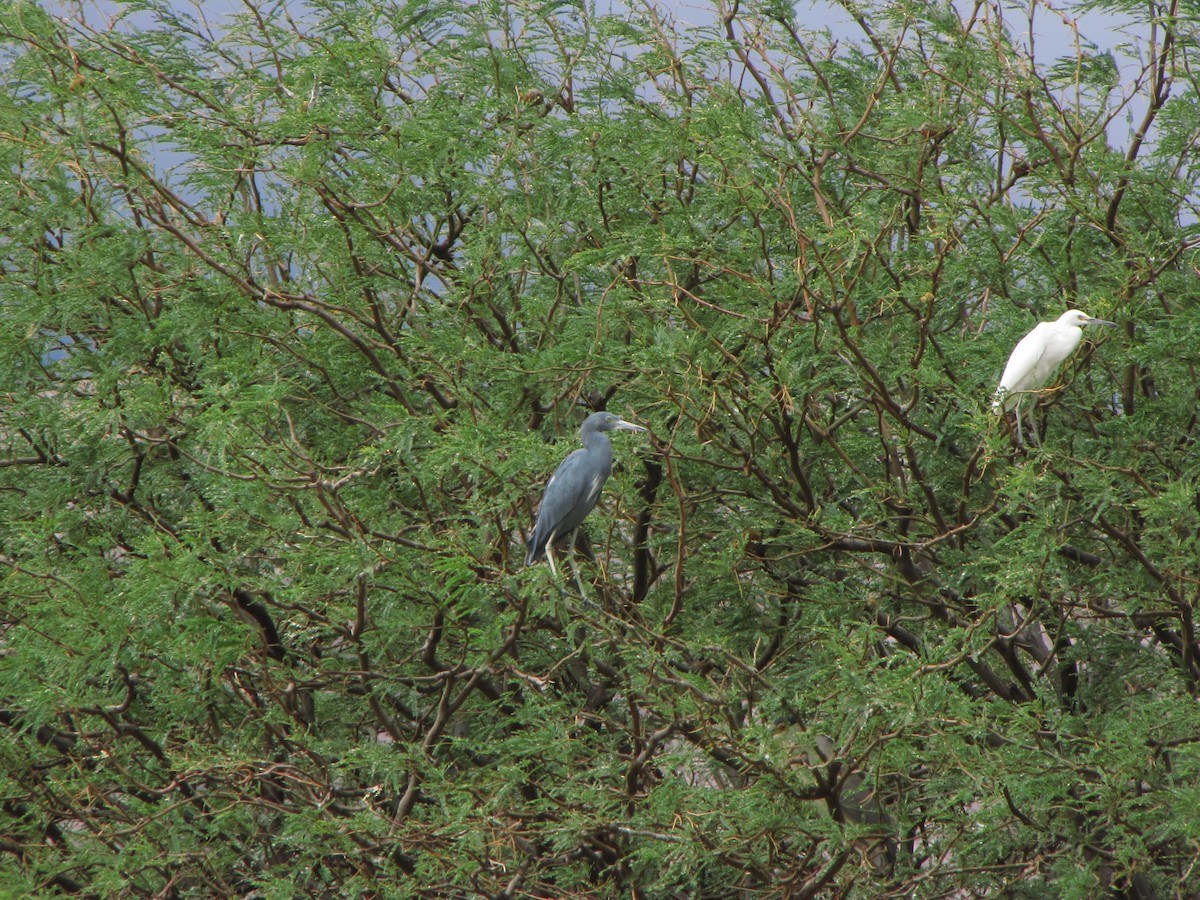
(1037, 357)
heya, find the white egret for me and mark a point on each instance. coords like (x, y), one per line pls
(1037, 357)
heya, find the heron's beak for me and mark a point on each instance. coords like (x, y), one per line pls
(1093, 321)
(622, 425)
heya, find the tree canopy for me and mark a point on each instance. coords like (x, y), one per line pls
(303, 303)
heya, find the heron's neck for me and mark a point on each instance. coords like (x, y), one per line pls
(598, 444)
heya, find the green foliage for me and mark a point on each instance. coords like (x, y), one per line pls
(303, 306)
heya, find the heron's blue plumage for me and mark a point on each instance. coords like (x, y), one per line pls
(575, 486)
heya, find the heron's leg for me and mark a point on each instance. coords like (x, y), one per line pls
(1017, 410)
(575, 568)
(550, 557)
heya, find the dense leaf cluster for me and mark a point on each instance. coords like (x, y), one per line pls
(302, 305)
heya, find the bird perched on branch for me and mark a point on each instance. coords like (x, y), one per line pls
(574, 489)
(1037, 357)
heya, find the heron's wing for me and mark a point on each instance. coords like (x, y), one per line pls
(571, 493)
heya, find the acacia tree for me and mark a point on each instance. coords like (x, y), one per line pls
(302, 306)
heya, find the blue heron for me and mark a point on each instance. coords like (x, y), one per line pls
(574, 488)
(1036, 357)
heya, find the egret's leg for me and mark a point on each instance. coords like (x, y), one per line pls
(1020, 433)
(1033, 427)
